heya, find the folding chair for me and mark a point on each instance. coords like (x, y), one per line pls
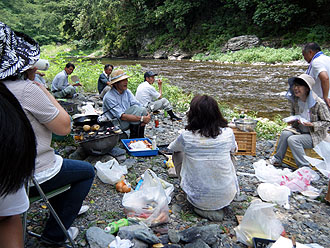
(45, 198)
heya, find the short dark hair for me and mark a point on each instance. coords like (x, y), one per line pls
(17, 146)
(312, 46)
(204, 116)
(68, 65)
(300, 81)
(107, 66)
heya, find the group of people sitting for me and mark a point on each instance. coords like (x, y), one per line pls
(202, 152)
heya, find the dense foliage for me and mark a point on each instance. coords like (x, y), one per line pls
(138, 27)
(255, 55)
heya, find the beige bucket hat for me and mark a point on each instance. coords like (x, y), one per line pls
(307, 79)
(118, 75)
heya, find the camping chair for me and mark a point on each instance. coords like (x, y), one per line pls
(45, 198)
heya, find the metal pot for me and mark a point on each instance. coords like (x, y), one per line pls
(85, 120)
(100, 145)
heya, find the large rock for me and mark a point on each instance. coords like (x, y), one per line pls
(241, 42)
(97, 238)
(139, 232)
(160, 54)
(209, 234)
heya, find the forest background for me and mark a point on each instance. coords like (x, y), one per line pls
(139, 27)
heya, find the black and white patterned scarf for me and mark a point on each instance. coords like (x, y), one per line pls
(17, 52)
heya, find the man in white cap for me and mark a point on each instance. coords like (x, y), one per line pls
(147, 95)
(119, 103)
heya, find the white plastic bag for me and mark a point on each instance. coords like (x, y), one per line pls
(110, 172)
(323, 150)
(120, 243)
(148, 204)
(267, 173)
(259, 221)
(274, 193)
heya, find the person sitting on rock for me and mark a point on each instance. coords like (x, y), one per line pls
(147, 95)
(60, 85)
(308, 131)
(104, 82)
(119, 103)
(202, 159)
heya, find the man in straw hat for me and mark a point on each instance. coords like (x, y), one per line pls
(121, 104)
(310, 125)
(147, 95)
(19, 53)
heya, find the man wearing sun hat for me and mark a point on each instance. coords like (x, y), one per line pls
(147, 95)
(119, 103)
(19, 53)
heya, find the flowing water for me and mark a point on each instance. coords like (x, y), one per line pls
(259, 88)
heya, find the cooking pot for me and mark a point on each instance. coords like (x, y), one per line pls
(100, 145)
(85, 120)
(80, 120)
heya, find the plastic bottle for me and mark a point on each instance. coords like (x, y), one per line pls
(154, 143)
(113, 227)
(156, 122)
(165, 113)
(242, 115)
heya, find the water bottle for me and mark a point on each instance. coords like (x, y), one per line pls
(113, 227)
(154, 143)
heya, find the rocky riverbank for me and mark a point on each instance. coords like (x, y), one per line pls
(307, 220)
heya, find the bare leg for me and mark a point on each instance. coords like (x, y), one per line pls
(11, 232)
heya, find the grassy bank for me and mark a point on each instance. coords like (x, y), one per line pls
(89, 70)
(255, 55)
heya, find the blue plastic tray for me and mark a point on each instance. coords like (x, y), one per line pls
(145, 153)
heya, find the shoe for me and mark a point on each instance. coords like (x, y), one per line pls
(175, 118)
(83, 209)
(73, 233)
(274, 161)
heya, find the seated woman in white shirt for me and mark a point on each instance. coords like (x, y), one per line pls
(202, 159)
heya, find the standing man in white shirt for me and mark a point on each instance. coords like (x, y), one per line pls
(319, 69)
(148, 96)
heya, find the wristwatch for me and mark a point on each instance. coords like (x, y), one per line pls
(141, 119)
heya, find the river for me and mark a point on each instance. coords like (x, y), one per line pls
(260, 88)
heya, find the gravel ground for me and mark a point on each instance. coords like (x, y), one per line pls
(307, 219)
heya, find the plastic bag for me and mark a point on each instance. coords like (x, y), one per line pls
(148, 204)
(300, 179)
(267, 173)
(259, 221)
(121, 243)
(322, 149)
(110, 172)
(274, 193)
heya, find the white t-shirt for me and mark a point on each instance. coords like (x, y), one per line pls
(321, 63)
(146, 93)
(14, 204)
(207, 175)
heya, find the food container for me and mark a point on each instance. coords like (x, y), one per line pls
(246, 125)
(310, 194)
(140, 153)
(262, 243)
